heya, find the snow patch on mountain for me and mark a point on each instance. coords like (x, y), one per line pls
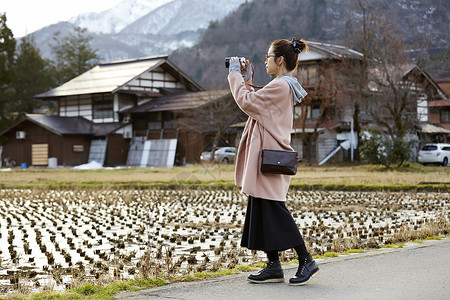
(181, 16)
(118, 17)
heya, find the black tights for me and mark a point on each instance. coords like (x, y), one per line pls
(302, 253)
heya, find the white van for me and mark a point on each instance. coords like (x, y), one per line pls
(434, 154)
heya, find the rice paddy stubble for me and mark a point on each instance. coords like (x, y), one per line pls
(53, 238)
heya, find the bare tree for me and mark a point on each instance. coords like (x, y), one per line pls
(216, 114)
(394, 101)
(359, 35)
(385, 91)
(380, 86)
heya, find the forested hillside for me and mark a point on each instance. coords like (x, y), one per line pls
(249, 30)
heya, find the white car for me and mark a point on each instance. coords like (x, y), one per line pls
(205, 156)
(225, 155)
(222, 154)
(434, 154)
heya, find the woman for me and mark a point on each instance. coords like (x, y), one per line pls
(268, 224)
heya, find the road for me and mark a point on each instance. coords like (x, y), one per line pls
(416, 271)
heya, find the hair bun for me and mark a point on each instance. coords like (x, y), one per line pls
(299, 45)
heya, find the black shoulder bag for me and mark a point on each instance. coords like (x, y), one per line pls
(278, 161)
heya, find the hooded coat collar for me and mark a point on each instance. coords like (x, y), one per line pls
(297, 90)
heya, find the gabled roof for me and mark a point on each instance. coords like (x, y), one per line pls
(408, 72)
(114, 76)
(68, 125)
(415, 70)
(179, 101)
(319, 51)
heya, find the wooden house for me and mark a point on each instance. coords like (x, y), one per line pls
(324, 72)
(185, 117)
(94, 117)
(65, 140)
(440, 109)
(433, 110)
(318, 72)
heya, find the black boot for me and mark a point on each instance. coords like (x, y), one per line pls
(306, 270)
(271, 273)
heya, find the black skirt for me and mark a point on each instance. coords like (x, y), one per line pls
(269, 226)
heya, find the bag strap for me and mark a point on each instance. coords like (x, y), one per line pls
(262, 135)
(264, 131)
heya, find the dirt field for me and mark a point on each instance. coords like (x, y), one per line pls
(216, 173)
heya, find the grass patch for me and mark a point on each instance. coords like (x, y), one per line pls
(412, 177)
(394, 246)
(245, 268)
(206, 275)
(260, 265)
(350, 251)
(227, 185)
(331, 254)
(437, 238)
(93, 291)
(336, 254)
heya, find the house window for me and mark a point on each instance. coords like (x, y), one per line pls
(155, 121)
(445, 116)
(154, 125)
(169, 120)
(302, 74)
(170, 125)
(308, 74)
(297, 111)
(315, 112)
(78, 148)
(312, 73)
(103, 106)
(311, 112)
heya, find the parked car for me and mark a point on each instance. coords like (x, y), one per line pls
(225, 155)
(434, 154)
(205, 156)
(222, 154)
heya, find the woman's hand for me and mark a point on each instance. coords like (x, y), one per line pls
(248, 72)
(245, 68)
(235, 65)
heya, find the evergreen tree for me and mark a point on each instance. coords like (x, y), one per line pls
(33, 76)
(7, 51)
(74, 54)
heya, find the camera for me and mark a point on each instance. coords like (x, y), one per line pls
(227, 61)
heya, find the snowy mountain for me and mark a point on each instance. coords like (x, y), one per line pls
(115, 19)
(137, 28)
(182, 15)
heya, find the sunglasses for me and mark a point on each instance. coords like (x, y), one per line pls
(267, 56)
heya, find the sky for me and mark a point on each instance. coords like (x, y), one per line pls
(27, 16)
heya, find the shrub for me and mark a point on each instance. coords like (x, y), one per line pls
(380, 149)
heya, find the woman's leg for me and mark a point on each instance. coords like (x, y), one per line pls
(302, 253)
(272, 255)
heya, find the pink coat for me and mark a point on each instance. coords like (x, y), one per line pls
(270, 115)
